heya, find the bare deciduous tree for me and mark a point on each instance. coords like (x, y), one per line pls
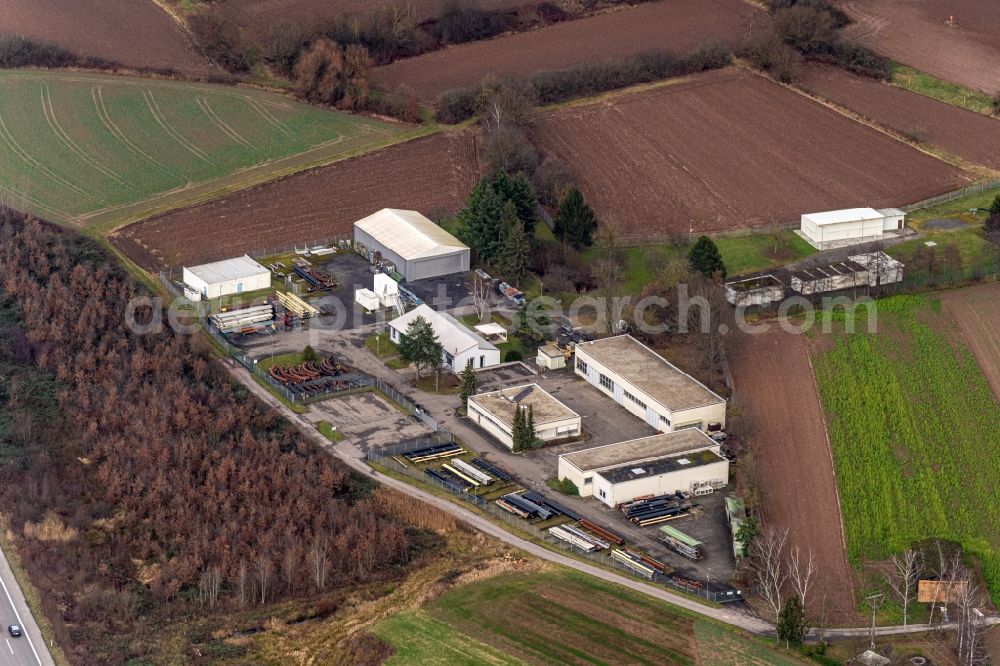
(243, 583)
(767, 563)
(290, 567)
(319, 562)
(479, 289)
(209, 585)
(264, 568)
(607, 273)
(903, 579)
(801, 573)
(969, 644)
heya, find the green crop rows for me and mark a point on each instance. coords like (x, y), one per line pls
(915, 431)
(75, 144)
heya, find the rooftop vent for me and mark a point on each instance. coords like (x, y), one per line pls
(683, 461)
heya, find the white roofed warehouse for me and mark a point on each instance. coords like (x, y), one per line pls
(415, 245)
(230, 276)
(648, 386)
(494, 412)
(460, 346)
(852, 225)
(655, 465)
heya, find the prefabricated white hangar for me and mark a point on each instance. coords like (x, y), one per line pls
(230, 276)
(855, 224)
(460, 346)
(655, 465)
(494, 412)
(649, 386)
(414, 244)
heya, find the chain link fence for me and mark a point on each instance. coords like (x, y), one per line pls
(975, 188)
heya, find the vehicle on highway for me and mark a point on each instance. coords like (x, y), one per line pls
(14, 630)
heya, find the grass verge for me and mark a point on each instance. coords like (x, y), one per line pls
(328, 431)
(945, 91)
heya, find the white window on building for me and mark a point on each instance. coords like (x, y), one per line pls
(634, 399)
(581, 366)
(602, 493)
(566, 430)
(607, 383)
(665, 420)
(587, 480)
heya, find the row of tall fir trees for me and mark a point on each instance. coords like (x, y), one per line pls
(500, 217)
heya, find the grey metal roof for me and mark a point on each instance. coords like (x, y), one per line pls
(228, 269)
(665, 465)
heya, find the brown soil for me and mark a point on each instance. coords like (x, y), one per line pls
(774, 380)
(433, 175)
(965, 134)
(730, 150)
(259, 16)
(135, 33)
(675, 25)
(976, 310)
(920, 33)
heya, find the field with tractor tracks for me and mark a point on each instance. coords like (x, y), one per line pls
(729, 150)
(432, 174)
(971, 136)
(559, 617)
(90, 149)
(134, 33)
(955, 40)
(677, 26)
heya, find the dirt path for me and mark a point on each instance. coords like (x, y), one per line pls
(976, 310)
(774, 381)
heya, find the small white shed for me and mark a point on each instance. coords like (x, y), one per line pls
(550, 357)
(230, 276)
(367, 299)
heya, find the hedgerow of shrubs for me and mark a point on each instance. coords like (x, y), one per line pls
(18, 51)
(552, 87)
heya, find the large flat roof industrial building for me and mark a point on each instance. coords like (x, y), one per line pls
(494, 412)
(648, 386)
(655, 465)
(416, 246)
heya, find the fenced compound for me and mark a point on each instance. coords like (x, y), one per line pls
(385, 458)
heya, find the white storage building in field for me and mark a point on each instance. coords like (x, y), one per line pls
(648, 386)
(230, 276)
(414, 244)
(654, 465)
(850, 225)
(460, 346)
(494, 412)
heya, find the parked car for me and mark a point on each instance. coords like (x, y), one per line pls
(14, 630)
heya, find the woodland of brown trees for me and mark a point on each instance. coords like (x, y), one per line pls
(140, 482)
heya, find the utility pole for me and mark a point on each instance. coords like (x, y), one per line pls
(874, 602)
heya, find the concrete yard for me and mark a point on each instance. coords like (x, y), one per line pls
(369, 419)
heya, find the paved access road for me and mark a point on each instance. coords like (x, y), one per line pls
(351, 455)
(29, 649)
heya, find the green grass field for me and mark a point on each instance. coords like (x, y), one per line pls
(561, 617)
(951, 93)
(91, 149)
(915, 430)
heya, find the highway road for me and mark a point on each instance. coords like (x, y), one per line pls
(29, 649)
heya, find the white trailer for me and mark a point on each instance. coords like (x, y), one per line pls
(367, 299)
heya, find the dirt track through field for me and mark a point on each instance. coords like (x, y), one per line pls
(135, 33)
(433, 175)
(774, 383)
(730, 150)
(971, 136)
(677, 26)
(921, 33)
(976, 310)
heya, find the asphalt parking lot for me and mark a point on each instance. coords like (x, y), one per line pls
(369, 420)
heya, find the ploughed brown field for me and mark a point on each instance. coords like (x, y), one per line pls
(433, 175)
(774, 383)
(971, 136)
(135, 33)
(678, 26)
(977, 310)
(731, 150)
(922, 34)
(259, 16)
